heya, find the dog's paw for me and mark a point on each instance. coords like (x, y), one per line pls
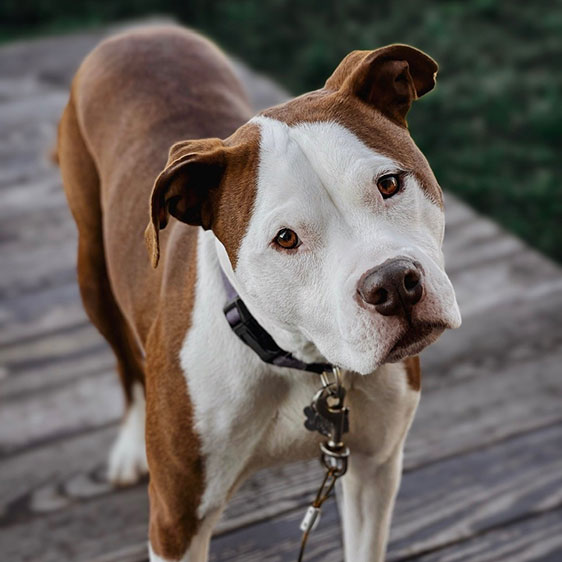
(127, 460)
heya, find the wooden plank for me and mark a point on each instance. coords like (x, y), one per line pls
(480, 411)
(535, 539)
(509, 350)
(528, 392)
(59, 463)
(81, 532)
(83, 404)
(468, 494)
(279, 540)
(456, 212)
(49, 376)
(50, 59)
(472, 242)
(72, 473)
(523, 275)
(461, 353)
(479, 245)
(495, 339)
(263, 93)
(489, 404)
(29, 125)
(49, 209)
(37, 314)
(57, 345)
(37, 267)
(52, 306)
(438, 505)
(481, 415)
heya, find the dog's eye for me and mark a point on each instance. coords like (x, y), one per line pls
(287, 239)
(389, 185)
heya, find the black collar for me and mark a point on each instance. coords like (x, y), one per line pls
(247, 328)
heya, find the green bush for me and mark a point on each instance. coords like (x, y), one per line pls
(491, 127)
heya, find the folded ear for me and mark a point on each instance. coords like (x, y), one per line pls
(184, 188)
(389, 79)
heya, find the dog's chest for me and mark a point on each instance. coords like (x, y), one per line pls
(249, 415)
(381, 407)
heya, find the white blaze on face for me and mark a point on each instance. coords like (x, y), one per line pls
(319, 180)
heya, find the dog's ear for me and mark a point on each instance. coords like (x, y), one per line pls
(184, 188)
(389, 79)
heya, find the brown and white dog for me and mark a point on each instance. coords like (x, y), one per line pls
(325, 217)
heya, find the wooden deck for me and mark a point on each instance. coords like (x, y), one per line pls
(483, 477)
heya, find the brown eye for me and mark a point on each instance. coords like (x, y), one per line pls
(287, 239)
(388, 185)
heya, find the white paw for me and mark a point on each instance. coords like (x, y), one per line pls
(127, 459)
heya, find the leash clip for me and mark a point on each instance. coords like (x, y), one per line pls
(328, 415)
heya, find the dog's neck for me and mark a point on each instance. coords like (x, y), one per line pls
(290, 340)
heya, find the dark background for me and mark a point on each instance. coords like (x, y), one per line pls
(491, 129)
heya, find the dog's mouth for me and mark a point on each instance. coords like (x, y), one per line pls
(414, 339)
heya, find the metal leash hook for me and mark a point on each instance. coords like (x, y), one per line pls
(328, 415)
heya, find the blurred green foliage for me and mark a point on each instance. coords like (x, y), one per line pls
(491, 129)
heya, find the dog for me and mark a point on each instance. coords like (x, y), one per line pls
(320, 214)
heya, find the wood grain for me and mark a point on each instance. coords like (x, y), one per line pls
(529, 540)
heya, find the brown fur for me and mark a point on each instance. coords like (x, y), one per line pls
(176, 466)
(413, 372)
(132, 98)
(208, 182)
(389, 78)
(372, 118)
(81, 183)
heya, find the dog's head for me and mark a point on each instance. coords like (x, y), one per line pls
(329, 219)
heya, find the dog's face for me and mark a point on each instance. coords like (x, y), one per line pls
(329, 218)
(343, 248)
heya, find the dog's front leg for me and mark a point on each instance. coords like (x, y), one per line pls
(178, 532)
(369, 491)
(198, 550)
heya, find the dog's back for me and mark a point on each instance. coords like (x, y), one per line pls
(132, 98)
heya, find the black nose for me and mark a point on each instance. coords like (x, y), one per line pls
(393, 288)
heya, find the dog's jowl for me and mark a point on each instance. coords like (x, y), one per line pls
(323, 217)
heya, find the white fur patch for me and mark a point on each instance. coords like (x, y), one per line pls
(221, 399)
(153, 557)
(319, 180)
(127, 459)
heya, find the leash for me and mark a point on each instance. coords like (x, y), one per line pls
(326, 414)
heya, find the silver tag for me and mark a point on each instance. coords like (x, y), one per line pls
(310, 519)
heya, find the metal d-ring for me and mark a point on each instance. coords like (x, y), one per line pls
(338, 379)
